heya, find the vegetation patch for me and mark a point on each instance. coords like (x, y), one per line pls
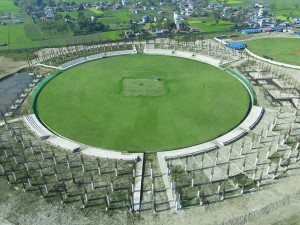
(33, 32)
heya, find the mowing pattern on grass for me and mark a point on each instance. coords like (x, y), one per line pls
(143, 86)
(284, 50)
(86, 104)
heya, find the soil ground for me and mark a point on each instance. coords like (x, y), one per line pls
(9, 66)
(278, 203)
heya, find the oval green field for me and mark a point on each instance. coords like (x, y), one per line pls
(143, 103)
(285, 50)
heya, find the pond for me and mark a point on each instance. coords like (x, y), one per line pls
(11, 87)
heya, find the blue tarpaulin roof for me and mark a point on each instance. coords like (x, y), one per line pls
(251, 31)
(221, 37)
(236, 45)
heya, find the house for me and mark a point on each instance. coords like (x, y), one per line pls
(4, 17)
(159, 33)
(267, 29)
(146, 19)
(16, 21)
(251, 31)
(296, 20)
(263, 12)
(136, 10)
(49, 12)
(178, 21)
(37, 15)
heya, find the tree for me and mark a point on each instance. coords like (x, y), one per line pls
(80, 8)
(170, 25)
(216, 15)
(273, 5)
(67, 17)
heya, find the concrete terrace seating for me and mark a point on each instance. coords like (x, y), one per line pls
(72, 63)
(253, 118)
(182, 54)
(116, 53)
(35, 126)
(102, 153)
(231, 136)
(96, 56)
(63, 143)
(40, 130)
(197, 149)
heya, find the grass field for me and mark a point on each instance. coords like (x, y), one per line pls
(73, 15)
(210, 25)
(286, 50)
(7, 6)
(283, 14)
(195, 103)
(117, 16)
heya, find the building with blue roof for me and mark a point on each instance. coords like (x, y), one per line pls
(251, 31)
(236, 45)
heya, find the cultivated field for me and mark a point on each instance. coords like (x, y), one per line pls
(286, 50)
(190, 103)
(211, 25)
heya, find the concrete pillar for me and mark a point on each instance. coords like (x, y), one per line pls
(242, 148)
(211, 174)
(55, 174)
(244, 165)
(99, 166)
(92, 183)
(268, 153)
(275, 171)
(68, 161)
(216, 159)
(256, 159)
(151, 170)
(228, 170)
(254, 173)
(54, 158)
(268, 168)
(41, 192)
(116, 169)
(223, 194)
(112, 185)
(82, 163)
(82, 202)
(202, 157)
(287, 164)
(219, 188)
